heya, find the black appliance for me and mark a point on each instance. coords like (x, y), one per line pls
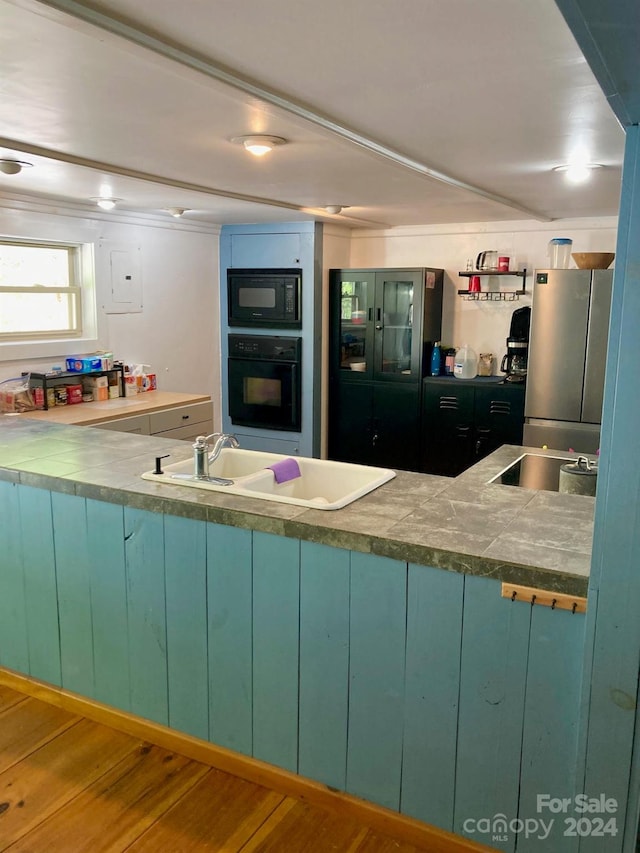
(264, 375)
(515, 362)
(265, 298)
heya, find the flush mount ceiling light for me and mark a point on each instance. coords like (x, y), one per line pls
(577, 173)
(106, 203)
(335, 208)
(176, 211)
(13, 167)
(259, 145)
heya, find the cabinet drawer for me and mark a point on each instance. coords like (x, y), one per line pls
(180, 416)
(189, 432)
(136, 423)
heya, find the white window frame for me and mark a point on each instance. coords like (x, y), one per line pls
(54, 343)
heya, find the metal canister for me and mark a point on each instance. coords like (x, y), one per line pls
(579, 477)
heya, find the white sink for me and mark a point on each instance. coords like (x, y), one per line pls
(322, 484)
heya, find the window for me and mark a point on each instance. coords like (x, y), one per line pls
(40, 293)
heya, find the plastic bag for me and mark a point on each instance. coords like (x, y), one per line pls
(16, 396)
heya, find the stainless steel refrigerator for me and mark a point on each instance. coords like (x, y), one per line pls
(567, 356)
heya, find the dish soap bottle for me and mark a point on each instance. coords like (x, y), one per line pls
(436, 359)
(466, 363)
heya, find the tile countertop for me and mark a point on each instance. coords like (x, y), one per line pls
(85, 414)
(466, 524)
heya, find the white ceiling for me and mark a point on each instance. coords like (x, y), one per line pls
(406, 111)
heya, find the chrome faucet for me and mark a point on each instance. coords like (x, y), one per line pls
(202, 458)
(223, 440)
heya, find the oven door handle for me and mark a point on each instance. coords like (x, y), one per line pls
(294, 389)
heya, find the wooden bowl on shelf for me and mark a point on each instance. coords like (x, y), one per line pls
(593, 260)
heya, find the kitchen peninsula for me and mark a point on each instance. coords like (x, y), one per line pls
(369, 648)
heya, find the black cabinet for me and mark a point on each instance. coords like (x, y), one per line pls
(376, 425)
(383, 326)
(465, 420)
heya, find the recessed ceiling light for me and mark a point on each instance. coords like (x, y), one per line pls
(259, 144)
(576, 173)
(13, 167)
(106, 203)
(176, 211)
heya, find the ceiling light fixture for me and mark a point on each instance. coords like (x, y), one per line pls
(106, 203)
(13, 167)
(176, 211)
(335, 208)
(577, 173)
(260, 144)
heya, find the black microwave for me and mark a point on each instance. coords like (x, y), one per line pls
(265, 298)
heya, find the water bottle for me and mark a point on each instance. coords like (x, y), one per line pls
(436, 359)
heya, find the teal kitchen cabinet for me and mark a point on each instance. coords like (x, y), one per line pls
(383, 324)
(465, 420)
(422, 690)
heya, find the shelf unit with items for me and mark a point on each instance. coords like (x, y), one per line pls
(51, 380)
(383, 325)
(494, 295)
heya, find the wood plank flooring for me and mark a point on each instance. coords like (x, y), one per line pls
(70, 785)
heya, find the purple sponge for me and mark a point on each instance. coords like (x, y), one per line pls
(286, 469)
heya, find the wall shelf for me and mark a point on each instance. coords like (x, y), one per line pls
(494, 295)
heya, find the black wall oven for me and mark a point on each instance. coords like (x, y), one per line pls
(265, 298)
(264, 376)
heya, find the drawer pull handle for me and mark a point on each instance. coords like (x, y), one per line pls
(185, 417)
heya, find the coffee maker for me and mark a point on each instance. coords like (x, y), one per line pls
(514, 363)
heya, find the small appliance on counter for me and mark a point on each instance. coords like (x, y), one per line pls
(515, 361)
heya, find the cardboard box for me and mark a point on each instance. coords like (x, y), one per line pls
(74, 394)
(83, 363)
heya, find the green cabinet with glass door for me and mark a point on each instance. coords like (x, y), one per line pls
(383, 323)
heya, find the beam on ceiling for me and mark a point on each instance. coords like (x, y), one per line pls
(204, 65)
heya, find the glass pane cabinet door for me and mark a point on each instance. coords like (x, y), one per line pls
(356, 299)
(397, 327)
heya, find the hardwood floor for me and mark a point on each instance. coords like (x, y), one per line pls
(70, 785)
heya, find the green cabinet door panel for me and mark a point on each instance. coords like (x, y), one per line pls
(107, 581)
(376, 678)
(41, 603)
(146, 614)
(276, 615)
(186, 601)
(70, 523)
(551, 718)
(434, 628)
(14, 649)
(493, 671)
(229, 619)
(324, 663)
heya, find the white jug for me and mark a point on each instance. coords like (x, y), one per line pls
(465, 365)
